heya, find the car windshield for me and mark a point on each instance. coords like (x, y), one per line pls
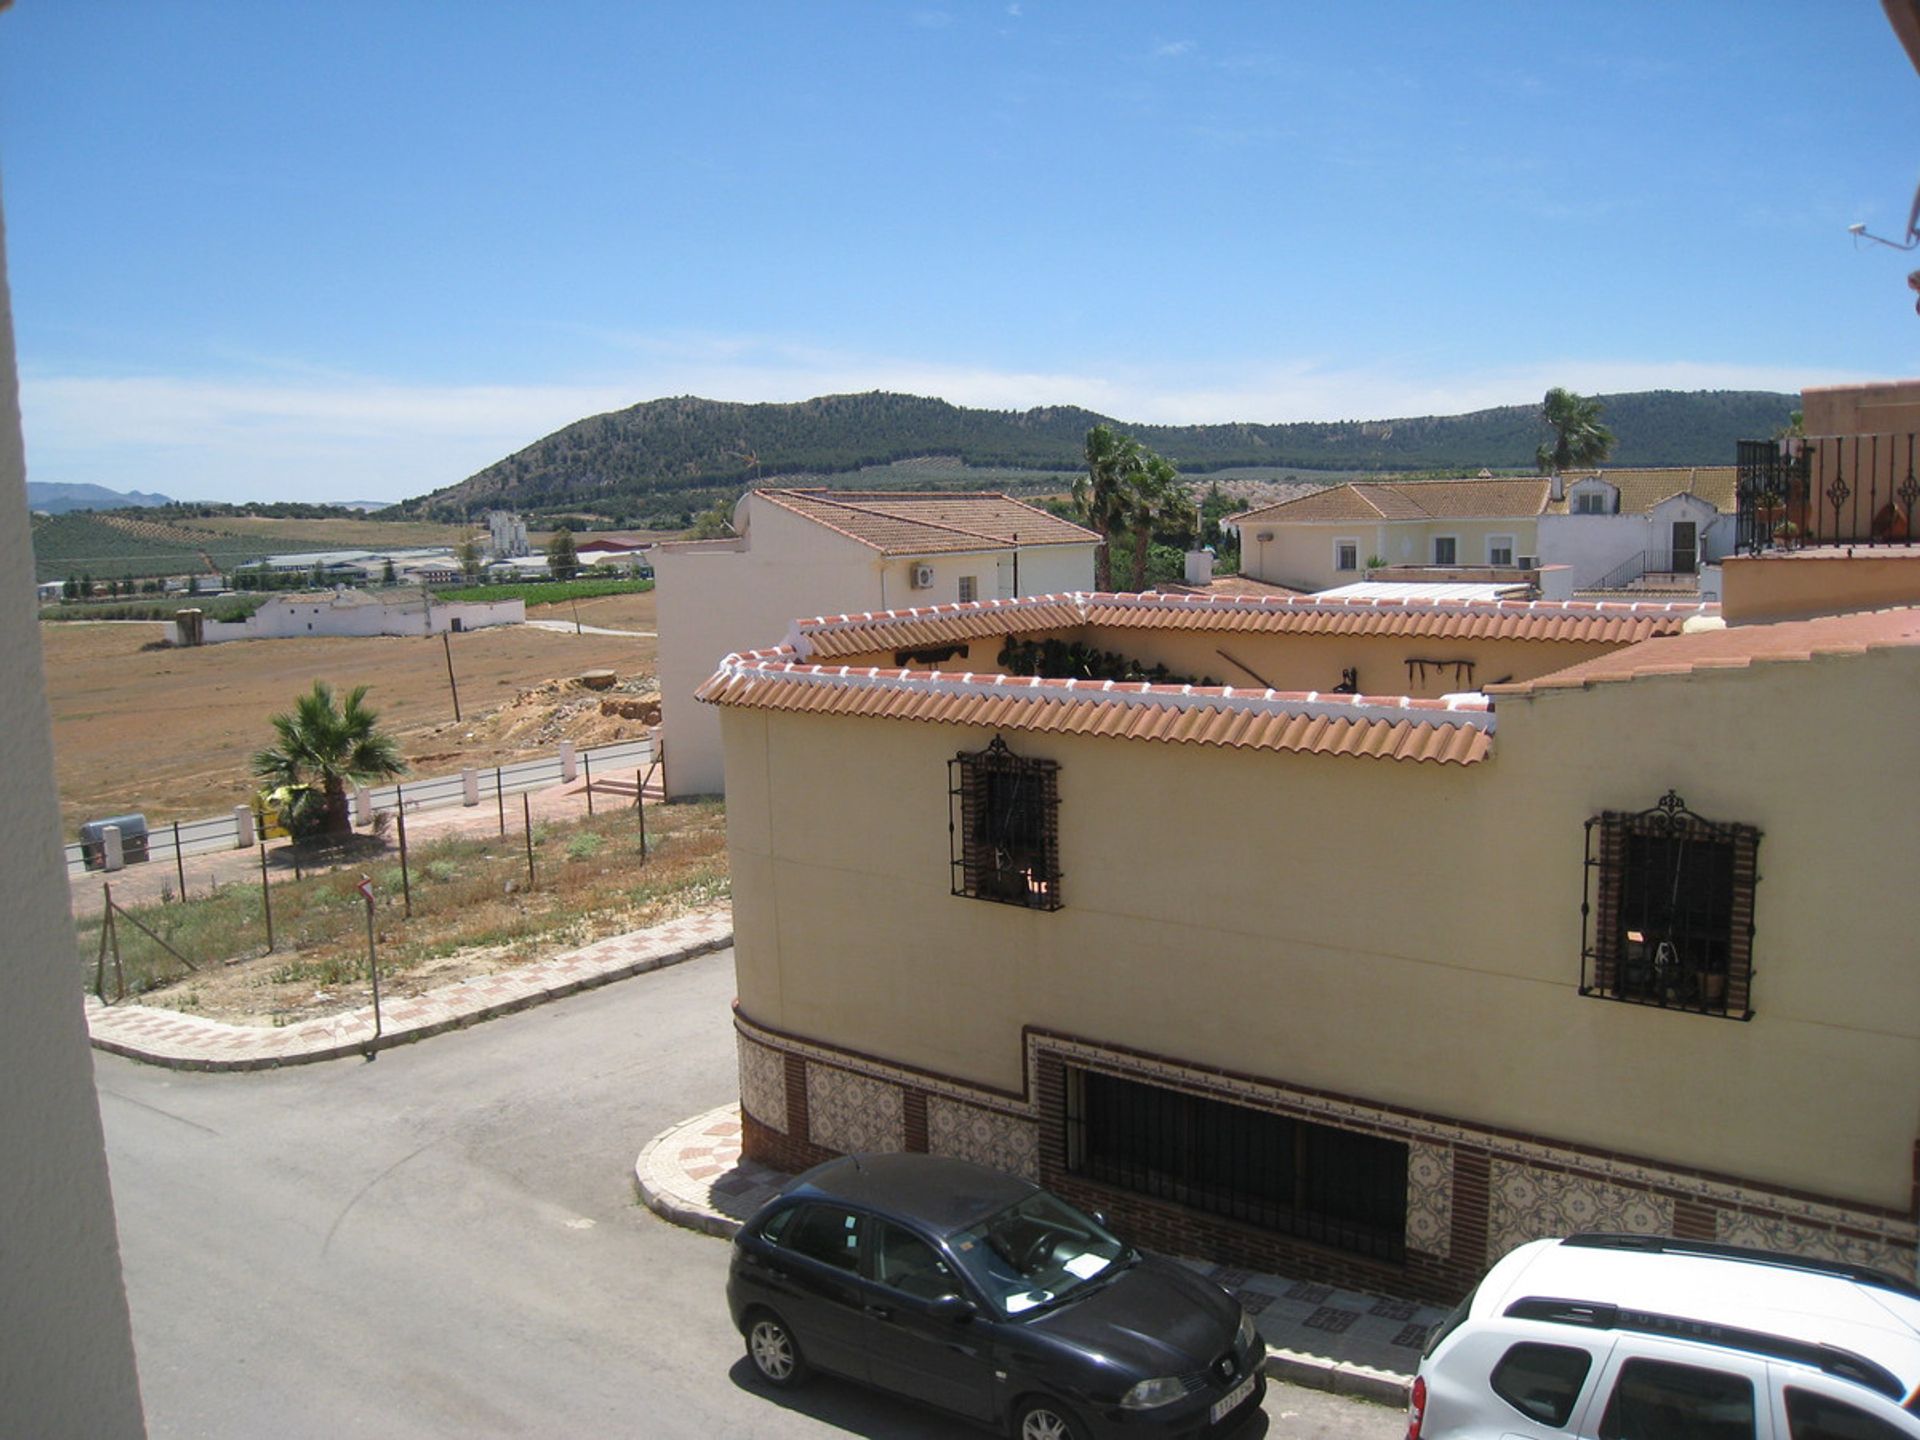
(1036, 1252)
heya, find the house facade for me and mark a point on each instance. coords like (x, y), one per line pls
(1367, 987)
(1608, 529)
(348, 612)
(1614, 527)
(1333, 536)
(820, 552)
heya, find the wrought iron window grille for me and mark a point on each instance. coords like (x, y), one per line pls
(1003, 827)
(1666, 910)
(1289, 1175)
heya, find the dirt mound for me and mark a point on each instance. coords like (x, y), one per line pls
(540, 718)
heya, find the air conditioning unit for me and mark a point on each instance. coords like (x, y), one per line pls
(1528, 562)
(1264, 535)
(923, 577)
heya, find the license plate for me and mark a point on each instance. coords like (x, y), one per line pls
(1232, 1400)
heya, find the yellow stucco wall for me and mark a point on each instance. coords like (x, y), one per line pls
(1401, 932)
(1817, 582)
(1303, 662)
(1301, 554)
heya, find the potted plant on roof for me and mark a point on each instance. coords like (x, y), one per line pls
(1785, 534)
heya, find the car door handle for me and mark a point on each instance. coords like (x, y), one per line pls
(880, 1312)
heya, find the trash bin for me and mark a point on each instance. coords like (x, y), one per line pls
(133, 840)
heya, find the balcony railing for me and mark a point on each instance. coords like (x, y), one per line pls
(1798, 492)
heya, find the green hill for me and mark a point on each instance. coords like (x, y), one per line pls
(658, 462)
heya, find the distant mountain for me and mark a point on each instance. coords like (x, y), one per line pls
(663, 459)
(55, 498)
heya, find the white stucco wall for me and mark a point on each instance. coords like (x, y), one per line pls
(716, 598)
(1596, 545)
(291, 617)
(66, 1345)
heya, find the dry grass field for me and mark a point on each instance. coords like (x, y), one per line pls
(169, 732)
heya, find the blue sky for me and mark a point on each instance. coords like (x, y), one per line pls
(293, 250)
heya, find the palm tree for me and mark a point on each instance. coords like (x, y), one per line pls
(1579, 437)
(1103, 497)
(1160, 503)
(329, 746)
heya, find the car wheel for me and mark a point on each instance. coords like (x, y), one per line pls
(1046, 1420)
(774, 1352)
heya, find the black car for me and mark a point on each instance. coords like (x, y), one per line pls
(987, 1296)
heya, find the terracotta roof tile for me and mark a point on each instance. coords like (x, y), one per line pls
(1409, 500)
(1641, 490)
(1618, 623)
(1446, 732)
(906, 523)
(1735, 647)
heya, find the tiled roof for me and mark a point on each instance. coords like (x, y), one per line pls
(1617, 623)
(1410, 500)
(904, 523)
(1736, 647)
(1641, 490)
(1445, 732)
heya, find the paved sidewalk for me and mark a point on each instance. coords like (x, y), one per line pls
(192, 1042)
(1329, 1339)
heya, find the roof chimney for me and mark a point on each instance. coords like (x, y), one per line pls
(1557, 487)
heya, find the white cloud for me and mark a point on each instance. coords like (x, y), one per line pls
(275, 436)
(1172, 49)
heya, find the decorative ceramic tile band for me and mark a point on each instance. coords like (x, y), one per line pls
(1530, 1204)
(1565, 1180)
(983, 1136)
(1773, 1233)
(851, 1113)
(763, 1083)
(1430, 1198)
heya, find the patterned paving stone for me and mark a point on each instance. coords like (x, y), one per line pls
(1331, 1319)
(1312, 1294)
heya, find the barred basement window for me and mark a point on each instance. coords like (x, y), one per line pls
(1667, 910)
(1003, 827)
(1336, 1187)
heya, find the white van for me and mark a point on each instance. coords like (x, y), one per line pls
(1634, 1337)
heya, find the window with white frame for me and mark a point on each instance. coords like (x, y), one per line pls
(969, 588)
(1499, 549)
(1446, 550)
(1590, 502)
(1346, 554)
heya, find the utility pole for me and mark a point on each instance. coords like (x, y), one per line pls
(365, 887)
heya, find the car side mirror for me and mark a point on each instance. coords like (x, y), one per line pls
(954, 1308)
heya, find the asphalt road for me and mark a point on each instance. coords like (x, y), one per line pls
(445, 1242)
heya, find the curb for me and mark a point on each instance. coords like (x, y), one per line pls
(1314, 1372)
(369, 1045)
(675, 1211)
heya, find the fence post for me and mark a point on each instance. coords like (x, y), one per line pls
(100, 960)
(470, 786)
(111, 855)
(266, 894)
(569, 766)
(588, 759)
(179, 861)
(640, 807)
(242, 826)
(406, 880)
(526, 813)
(500, 797)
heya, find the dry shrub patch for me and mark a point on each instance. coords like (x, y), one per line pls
(474, 913)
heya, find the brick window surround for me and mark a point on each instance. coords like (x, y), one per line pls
(1667, 910)
(1003, 826)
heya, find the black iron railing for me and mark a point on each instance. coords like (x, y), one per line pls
(1827, 490)
(1332, 1186)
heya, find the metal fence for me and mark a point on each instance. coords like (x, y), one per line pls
(169, 842)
